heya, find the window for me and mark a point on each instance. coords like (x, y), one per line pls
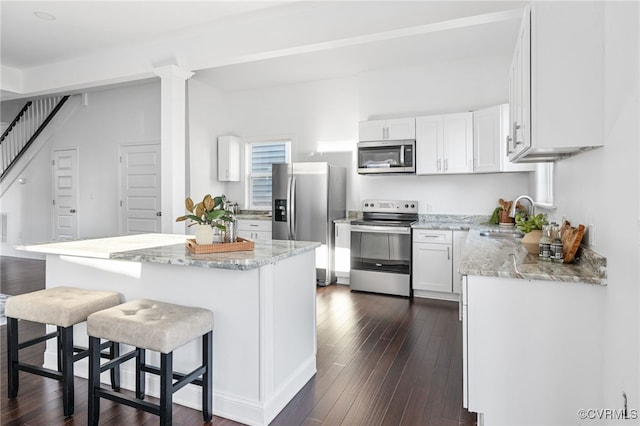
(260, 157)
(544, 185)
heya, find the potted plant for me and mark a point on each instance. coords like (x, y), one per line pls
(209, 215)
(532, 228)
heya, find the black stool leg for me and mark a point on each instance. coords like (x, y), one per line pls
(93, 410)
(12, 357)
(114, 353)
(166, 389)
(207, 377)
(60, 348)
(140, 363)
(66, 335)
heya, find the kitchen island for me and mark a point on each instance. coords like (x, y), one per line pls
(263, 303)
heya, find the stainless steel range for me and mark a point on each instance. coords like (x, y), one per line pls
(381, 247)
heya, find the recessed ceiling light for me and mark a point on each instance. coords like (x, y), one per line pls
(44, 15)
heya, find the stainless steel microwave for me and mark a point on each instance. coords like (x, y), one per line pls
(387, 157)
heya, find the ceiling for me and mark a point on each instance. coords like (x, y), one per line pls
(275, 42)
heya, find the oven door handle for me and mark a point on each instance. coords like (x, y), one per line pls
(381, 229)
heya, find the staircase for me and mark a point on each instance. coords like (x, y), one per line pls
(25, 128)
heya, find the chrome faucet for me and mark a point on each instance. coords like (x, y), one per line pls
(512, 212)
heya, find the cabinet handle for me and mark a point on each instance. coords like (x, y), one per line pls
(438, 163)
(516, 127)
(509, 139)
(448, 254)
(446, 164)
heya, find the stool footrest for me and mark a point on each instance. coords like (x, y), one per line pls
(118, 360)
(40, 371)
(37, 340)
(128, 400)
(82, 352)
(178, 376)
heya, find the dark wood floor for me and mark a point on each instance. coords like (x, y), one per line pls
(381, 361)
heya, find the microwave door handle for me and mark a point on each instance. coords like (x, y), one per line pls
(292, 209)
(402, 163)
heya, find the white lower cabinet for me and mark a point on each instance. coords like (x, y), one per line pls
(254, 229)
(527, 344)
(432, 260)
(342, 252)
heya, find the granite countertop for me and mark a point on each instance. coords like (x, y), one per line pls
(505, 257)
(449, 222)
(253, 216)
(265, 252)
(171, 249)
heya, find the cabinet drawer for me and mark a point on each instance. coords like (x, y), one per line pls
(254, 225)
(432, 236)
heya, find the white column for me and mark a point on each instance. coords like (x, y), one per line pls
(172, 145)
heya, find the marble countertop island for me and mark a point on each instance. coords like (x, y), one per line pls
(263, 303)
(170, 249)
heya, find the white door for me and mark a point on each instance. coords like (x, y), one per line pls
(65, 194)
(139, 189)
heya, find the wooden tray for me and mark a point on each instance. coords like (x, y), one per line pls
(240, 245)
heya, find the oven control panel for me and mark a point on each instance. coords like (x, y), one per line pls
(390, 206)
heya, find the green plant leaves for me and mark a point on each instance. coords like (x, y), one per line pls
(208, 211)
(528, 224)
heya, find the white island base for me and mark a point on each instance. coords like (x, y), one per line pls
(264, 320)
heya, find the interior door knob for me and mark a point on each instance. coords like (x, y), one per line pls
(72, 211)
(158, 213)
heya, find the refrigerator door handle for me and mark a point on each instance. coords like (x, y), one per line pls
(292, 208)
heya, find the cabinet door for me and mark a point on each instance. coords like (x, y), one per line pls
(373, 130)
(228, 158)
(457, 137)
(520, 84)
(486, 140)
(429, 145)
(432, 267)
(401, 128)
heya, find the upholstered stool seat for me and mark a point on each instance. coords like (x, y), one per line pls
(151, 325)
(62, 307)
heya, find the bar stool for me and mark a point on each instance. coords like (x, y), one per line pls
(156, 326)
(63, 307)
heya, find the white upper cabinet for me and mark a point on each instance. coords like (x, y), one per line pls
(229, 158)
(444, 143)
(486, 140)
(392, 129)
(490, 140)
(556, 81)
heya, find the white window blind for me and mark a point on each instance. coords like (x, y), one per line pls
(261, 156)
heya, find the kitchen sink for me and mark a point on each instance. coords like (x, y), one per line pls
(502, 233)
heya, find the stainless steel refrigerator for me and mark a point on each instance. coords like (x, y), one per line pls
(306, 199)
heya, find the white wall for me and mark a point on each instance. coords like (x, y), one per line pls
(322, 117)
(208, 118)
(602, 188)
(111, 118)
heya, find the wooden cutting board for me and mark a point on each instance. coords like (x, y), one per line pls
(571, 238)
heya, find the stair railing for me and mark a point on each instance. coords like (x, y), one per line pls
(25, 128)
